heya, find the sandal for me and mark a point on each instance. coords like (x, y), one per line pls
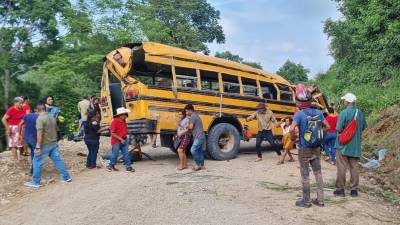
(280, 162)
(196, 168)
(291, 160)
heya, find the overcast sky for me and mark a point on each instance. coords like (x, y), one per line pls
(272, 31)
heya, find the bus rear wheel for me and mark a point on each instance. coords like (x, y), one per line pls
(223, 142)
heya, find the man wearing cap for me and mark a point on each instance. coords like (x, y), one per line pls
(119, 140)
(265, 118)
(349, 154)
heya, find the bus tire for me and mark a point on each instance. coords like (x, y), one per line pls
(223, 142)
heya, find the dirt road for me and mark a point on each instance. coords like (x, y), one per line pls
(239, 191)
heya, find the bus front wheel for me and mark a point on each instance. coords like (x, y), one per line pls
(223, 141)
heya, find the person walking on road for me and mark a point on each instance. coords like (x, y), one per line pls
(196, 127)
(28, 132)
(120, 140)
(330, 136)
(265, 119)
(11, 121)
(348, 155)
(309, 122)
(46, 145)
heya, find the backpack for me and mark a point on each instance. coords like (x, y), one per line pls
(349, 131)
(313, 134)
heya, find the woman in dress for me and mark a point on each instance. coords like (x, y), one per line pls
(287, 143)
(183, 138)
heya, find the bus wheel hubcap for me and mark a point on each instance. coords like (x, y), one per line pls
(226, 142)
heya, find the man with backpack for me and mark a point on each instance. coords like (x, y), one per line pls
(309, 121)
(350, 126)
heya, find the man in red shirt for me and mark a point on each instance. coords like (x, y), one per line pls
(11, 120)
(120, 140)
(330, 136)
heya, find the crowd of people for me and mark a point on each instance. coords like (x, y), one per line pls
(309, 131)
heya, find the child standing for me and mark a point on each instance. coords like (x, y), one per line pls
(288, 144)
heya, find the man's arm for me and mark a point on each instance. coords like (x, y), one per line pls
(39, 142)
(117, 137)
(21, 126)
(252, 117)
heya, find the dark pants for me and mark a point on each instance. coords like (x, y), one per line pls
(93, 148)
(261, 136)
(307, 157)
(32, 145)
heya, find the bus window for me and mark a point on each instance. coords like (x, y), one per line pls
(268, 90)
(231, 84)
(186, 77)
(249, 87)
(209, 81)
(286, 92)
(154, 74)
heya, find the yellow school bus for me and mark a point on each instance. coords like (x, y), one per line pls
(156, 81)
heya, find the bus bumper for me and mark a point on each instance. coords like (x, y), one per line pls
(144, 126)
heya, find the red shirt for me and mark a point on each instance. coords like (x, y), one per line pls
(118, 128)
(15, 115)
(332, 120)
(26, 108)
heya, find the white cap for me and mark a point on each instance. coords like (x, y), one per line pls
(349, 97)
(122, 110)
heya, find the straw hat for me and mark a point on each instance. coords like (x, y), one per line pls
(122, 110)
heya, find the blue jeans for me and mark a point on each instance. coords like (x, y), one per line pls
(116, 148)
(329, 145)
(197, 151)
(51, 150)
(32, 145)
(93, 148)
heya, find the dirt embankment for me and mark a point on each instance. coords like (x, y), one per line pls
(385, 133)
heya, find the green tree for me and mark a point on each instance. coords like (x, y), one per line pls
(236, 58)
(28, 32)
(293, 72)
(188, 24)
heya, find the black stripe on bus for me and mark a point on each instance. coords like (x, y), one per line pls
(227, 95)
(201, 112)
(214, 64)
(185, 102)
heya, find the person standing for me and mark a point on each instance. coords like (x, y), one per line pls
(183, 138)
(196, 127)
(348, 155)
(330, 136)
(309, 122)
(95, 106)
(51, 108)
(92, 138)
(119, 140)
(83, 107)
(287, 142)
(28, 127)
(11, 121)
(46, 145)
(25, 105)
(265, 119)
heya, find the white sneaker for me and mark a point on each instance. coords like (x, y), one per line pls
(66, 181)
(32, 185)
